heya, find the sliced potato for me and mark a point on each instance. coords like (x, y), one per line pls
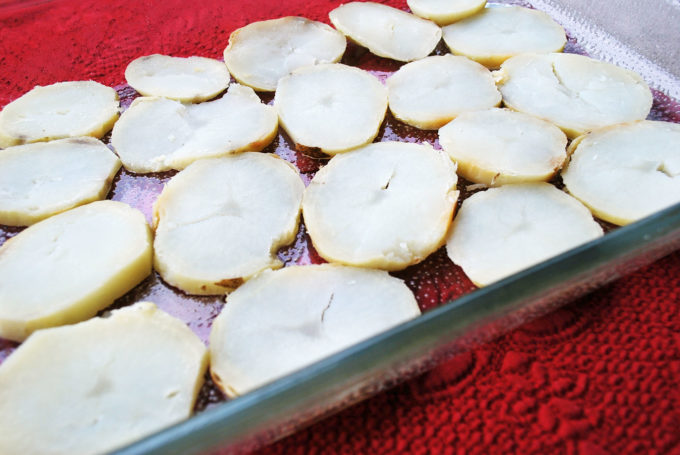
(43, 179)
(496, 34)
(626, 172)
(386, 205)
(503, 230)
(499, 146)
(444, 12)
(158, 134)
(284, 320)
(431, 92)
(386, 31)
(261, 53)
(64, 109)
(574, 92)
(332, 107)
(68, 267)
(96, 386)
(188, 79)
(221, 221)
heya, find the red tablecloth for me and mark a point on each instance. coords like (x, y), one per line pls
(600, 375)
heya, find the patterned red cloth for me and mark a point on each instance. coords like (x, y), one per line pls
(600, 375)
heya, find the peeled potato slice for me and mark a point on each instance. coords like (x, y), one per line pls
(96, 386)
(386, 31)
(158, 134)
(261, 53)
(626, 172)
(444, 12)
(496, 34)
(190, 79)
(574, 92)
(387, 205)
(64, 109)
(40, 180)
(431, 92)
(68, 267)
(503, 230)
(333, 107)
(284, 320)
(499, 146)
(221, 221)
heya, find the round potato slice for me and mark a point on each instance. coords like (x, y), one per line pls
(386, 31)
(387, 205)
(503, 230)
(96, 386)
(574, 92)
(221, 221)
(332, 107)
(159, 134)
(626, 172)
(284, 320)
(43, 179)
(431, 92)
(444, 12)
(261, 53)
(499, 146)
(190, 79)
(64, 109)
(68, 267)
(496, 34)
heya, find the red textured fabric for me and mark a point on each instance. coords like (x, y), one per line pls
(595, 377)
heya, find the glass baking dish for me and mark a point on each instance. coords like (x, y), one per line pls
(47, 41)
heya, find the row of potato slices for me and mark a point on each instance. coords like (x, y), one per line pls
(491, 147)
(332, 107)
(117, 378)
(208, 245)
(260, 54)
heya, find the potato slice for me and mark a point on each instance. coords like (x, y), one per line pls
(503, 230)
(159, 134)
(43, 179)
(284, 320)
(261, 53)
(221, 221)
(444, 12)
(64, 109)
(68, 267)
(387, 205)
(499, 146)
(190, 79)
(498, 33)
(386, 31)
(431, 92)
(626, 172)
(96, 386)
(333, 107)
(574, 92)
